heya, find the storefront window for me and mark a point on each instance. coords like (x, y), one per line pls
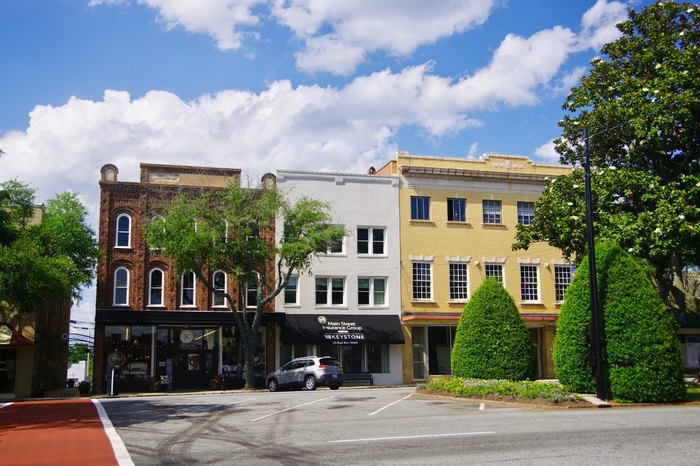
(134, 344)
(378, 359)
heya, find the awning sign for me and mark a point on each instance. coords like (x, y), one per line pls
(344, 329)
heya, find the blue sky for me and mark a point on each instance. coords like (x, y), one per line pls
(282, 84)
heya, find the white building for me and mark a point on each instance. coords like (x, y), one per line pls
(349, 306)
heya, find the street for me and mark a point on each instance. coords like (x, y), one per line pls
(394, 426)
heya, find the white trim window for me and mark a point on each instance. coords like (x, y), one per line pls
(420, 208)
(371, 241)
(187, 289)
(526, 212)
(337, 248)
(492, 212)
(251, 294)
(330, 291)
(291, 291)
(459, 283)
(155, 287)
(494, 271)
(422, 274)
(529, 283)
(456, 210)
(123, 239)
(371, 291)
(218, 282)
(562, 280)
(121, 287)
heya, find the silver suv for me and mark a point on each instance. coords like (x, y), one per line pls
(307, 372)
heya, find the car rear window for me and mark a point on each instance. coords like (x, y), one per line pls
(329, 362)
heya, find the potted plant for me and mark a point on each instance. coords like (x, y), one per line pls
(154, 384)
(216, 383)
(39, 389)
(84, 388)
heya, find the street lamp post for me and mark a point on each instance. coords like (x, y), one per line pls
(596, 341)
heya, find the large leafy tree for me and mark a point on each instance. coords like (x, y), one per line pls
(640, 103)
(43, 256)
(233, 230)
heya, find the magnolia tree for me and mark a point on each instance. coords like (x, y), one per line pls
(233, 230)
(640, 103)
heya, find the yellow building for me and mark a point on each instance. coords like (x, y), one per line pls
(458, 221)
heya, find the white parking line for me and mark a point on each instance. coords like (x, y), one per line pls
(410, 437)
(5, 405)
(389, 405)
(289, 409)
(120, 451)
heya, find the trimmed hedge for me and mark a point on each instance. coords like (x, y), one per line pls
(492, 341)
(641, 351)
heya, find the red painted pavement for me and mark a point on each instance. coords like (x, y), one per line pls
(53, 432)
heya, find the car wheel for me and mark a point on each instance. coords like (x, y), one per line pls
(272, 385)
(310, 382)
(334, 387)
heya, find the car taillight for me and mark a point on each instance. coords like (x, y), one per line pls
(322, 366)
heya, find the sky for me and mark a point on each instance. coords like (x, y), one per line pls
(261, 85)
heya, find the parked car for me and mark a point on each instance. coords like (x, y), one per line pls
(307, 372)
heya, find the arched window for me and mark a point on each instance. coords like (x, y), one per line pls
(219, 282)
(121, 287)
(155, 288)
(123, 231)
(187, 289)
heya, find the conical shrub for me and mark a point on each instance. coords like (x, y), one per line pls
(641, 352)
(492, 341)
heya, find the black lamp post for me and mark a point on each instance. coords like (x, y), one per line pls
(595, 315)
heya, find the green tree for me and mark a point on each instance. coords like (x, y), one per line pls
(640, 102)
(233, 230)
(78, 352)
(45, 256)
(641, 352)
(492, 341)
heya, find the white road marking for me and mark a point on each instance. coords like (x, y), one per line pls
(482, 406)
(120, 451)
(289, 409)
(389, 405)
(5, 405)
(410, 437)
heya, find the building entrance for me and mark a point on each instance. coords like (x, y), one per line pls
(187, 357)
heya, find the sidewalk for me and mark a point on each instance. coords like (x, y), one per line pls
(58, 433)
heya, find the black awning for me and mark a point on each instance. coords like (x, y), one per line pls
(344, 329)
(148, 317)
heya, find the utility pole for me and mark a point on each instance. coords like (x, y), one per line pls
(596, 341)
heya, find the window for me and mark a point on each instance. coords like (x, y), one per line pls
(420, 208)
(155, 288)
(458, 282)
(456, 210)
(526, 212)
(187, 289)
(494, 271)
(492, 211)
(121, 287)
(330, 291)
(123, 231)
(338, 247)
(529, 289)
(291, 290)
(251, 294)
(371, 291)
(562, 280)
(219, 283)
(370, 241)
(422, 281)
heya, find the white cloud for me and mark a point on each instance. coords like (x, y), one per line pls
(546, 152)
(599, 24)
(362, 27)
(219, 19)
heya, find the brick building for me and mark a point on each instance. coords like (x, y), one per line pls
(153, 326)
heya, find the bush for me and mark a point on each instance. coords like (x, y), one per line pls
(492, 341)
(641, 351)
(477, 388)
